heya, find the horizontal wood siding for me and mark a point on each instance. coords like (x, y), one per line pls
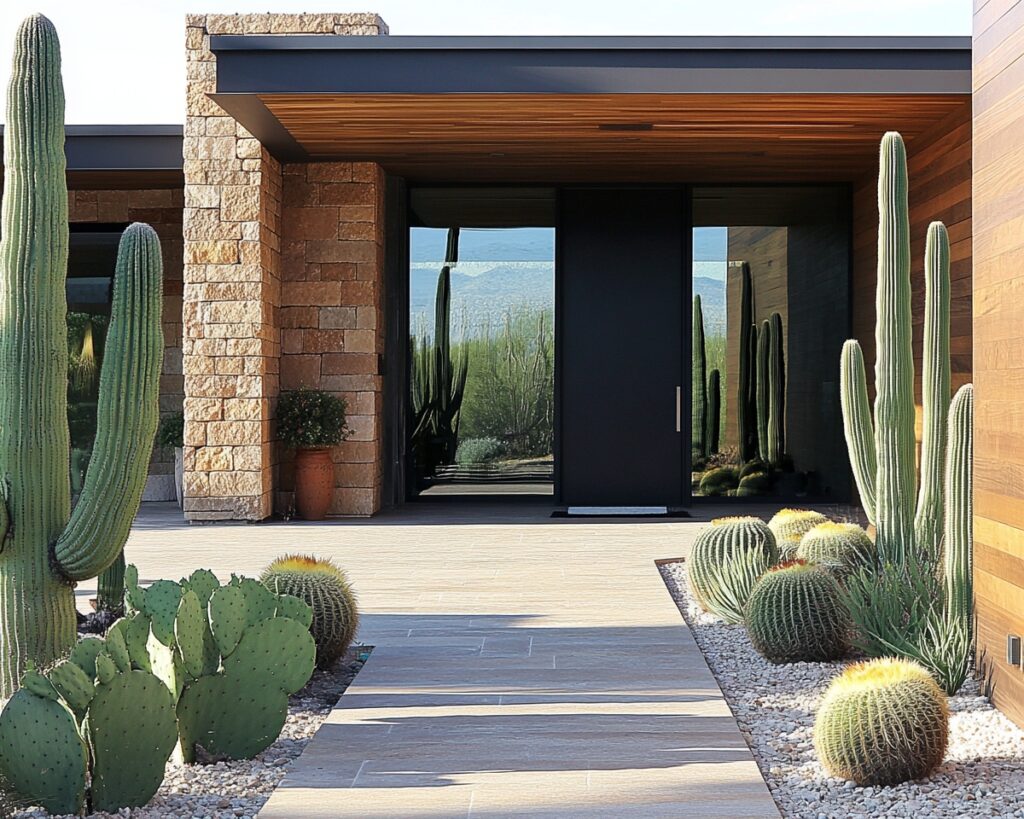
(999, 340)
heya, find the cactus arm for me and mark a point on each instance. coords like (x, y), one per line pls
(699, 399)
(895, 488)
(857, 424)
(764, 346)
(959, 542)
(934, 389)
(127, 412)
(744, 417)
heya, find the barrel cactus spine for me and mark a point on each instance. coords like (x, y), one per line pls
(796, 614)
(726, 560)
(699, 399)
(958, 538)
(841, 548)
(47, 548)
(935, 375)
(882, 722)
(325, 588)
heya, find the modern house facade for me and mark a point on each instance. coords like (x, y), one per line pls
(313, 143)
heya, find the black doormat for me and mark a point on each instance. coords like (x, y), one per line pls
(671, 513)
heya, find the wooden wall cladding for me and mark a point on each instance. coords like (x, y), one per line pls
(999, 341)
(939, 164)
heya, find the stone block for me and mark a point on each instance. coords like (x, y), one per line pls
(300, 371)
(205, 252)
(350, 364)
(213, 459)
(337, 318)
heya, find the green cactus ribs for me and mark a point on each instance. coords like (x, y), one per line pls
(49, 547)
(726, 560)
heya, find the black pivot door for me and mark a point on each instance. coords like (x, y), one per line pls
(624, 396)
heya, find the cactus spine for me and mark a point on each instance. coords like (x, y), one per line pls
(714, 411)
(699, 397)
(763, 390)
(745, 415)
(47, 548)
(958, 537)
(935, 389)
(776, 445)
(841, 548)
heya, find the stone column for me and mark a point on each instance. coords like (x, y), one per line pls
(232, 280)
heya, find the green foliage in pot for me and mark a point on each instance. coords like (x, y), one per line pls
(311, 419)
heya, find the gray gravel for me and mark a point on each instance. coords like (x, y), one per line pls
(983, 774)
(237, 790)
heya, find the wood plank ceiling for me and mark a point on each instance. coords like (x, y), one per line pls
(609, 137)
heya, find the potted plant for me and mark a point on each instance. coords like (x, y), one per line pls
(310, 422)
(171, 435)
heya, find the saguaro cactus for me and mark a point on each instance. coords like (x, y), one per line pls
(959, 541)
(699, 398)
(745, 416)
(885, 466)
(46, 548)
(776, 445)
(714, 411)
(763, 392)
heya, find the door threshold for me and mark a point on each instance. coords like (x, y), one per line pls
(620, 512)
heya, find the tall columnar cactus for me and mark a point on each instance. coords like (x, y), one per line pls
(763, 392)
(881, 723)
(745, 418)
(714, 411)
(796, 614)
(46, 547)
(726, 560)
(958, 539)
(894, 487)
(439, 380)
(776, 445)
(935, 388)
(698, 377)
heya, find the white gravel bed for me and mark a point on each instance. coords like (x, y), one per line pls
(237, 790)
(983, 774)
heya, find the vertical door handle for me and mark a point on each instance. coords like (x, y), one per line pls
(679, 409)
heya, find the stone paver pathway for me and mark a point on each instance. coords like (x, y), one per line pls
(524, 666)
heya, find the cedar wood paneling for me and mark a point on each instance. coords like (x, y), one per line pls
(999, 340)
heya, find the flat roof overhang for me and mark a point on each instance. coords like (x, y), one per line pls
(118, 157)
(563, 109)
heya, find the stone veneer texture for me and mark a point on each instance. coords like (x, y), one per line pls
(236, 355)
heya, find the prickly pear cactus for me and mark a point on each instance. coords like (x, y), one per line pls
(842, 548)
(796, 614)
(882, 722)
(325, 588)
(726, 560)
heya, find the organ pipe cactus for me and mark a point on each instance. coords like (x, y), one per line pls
(882, 451)
(776, 444)
(763, 390)
(796, 614)
(745, 408)
(882, 722)
(47, 547)
(726, 560)
(958, 538)
(699, 397)
(714, 411)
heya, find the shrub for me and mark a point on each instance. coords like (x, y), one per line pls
(842, 548)
(788, 523)
(726, 560)
(310, 419)
(796, 614)
(171, 433)
(719, 480)
(325, 588)
(479, 451)
(882, 722)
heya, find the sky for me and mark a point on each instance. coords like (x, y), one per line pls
(124, 61)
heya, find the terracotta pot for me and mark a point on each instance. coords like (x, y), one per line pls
(314, 483)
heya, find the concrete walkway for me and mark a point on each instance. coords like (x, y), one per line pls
(524, 666)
